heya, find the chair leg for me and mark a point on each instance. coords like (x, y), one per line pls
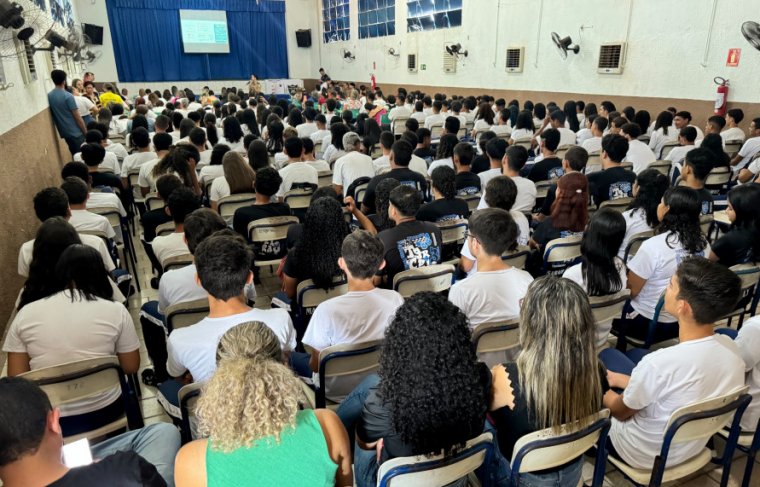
(748, 468)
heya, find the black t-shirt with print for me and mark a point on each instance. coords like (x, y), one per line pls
(427, 154)
(467, 183)
(546, 170)
(410, 245)
(122, 469)
(443, 210)
(611, 184)
(404, 175)
(243, 216)
(706, 201)
(545, 232)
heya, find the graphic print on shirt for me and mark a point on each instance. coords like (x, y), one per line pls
(555, 173)
(682, 254)
(707, 207)
(621, 189)
(419, 250)
(468, 190)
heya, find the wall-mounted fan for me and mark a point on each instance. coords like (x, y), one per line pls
(751, 32)
(456, 50)
(348, 56)
(564, 44)
(22, 26)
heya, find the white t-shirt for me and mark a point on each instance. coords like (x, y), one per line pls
(209, 173)
(97, 243)
(57, 329)
(118, 150)
(105, 200)
(179, 286)
(656, 262)
(526, 195)
(146, 179)
(219, 189)
(382, 164)
(640, 155)
(582, 136)
(84, 105)
(566, 136)
(750, 148)
(319, 165)
(734, 133)
(523, 235)
(234, 146)
(481, 125)
(351, 167)
(419, 116)
(136, 160)
(167, 246)
(280, 159)
(418, 165)
(501, 129)
(575, 274)
(592, 144)
(518, 134)
(658, 139)
(294, 173)
(666, 380)
(434, 119)
(319, 136)
(635, 222)
(306, 129)
(440, 162)
(488, 175)
(487, 297)
(110, 162)
(193, 348)
(748, 342)
(84, 221)
(399, 112)
(678, 154)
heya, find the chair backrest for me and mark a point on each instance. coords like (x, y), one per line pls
(437, 470)
(461, 133)
(453, 231)
(473, 200)
(272, 228)
(562, 150)
(619, 204)
(718, 178)
(310, 296)
(661, 165)
(609, 307)
(594, 162)
(635, 242)
(177, 262)
(523, 142)
(547, 448)
(399, 125)
(188, 399)
(153, 201)
(667, 147)
(561, 253)
(435, 278)
(705, 223)
(165, 229)
(627, 165)
(702, 419)
(79, 380)
(359, 191)
(110, 212)
(298, 199)
(325, 179)
(497, 342)
(376, 151)
(133, 176)
(542, 188)
(732, 147)
(436, 129)
(750, 276)
(185, 314)
(229, 204)
(318, 147)
(518, 257)
(343, 360)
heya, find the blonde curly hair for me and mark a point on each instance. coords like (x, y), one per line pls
(252, 395)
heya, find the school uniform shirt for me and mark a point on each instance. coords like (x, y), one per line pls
(66, 327)
(640, 155)
(117, 149)
(467, 183)
(566, 136)
(487, 297)
(656, 262)
(678, 154)
(411, 244)
(666, 380)
(611, 184)
(146, 179)
(635, 222)
(382, 164)
(575, 274)
(306, 129)
(219, 189)
(749, 149)
(319, 165)
(435, 118)
(296, 173)
(167, 246)
(518, 134)
(419, 116)
(582, 136)
(27, 249)
(135, 161)
(733, 133)
(440, 162)
(592, 144)
(523, 236)
(351, 167)
(193, 348)
(659, 138)
(209, 173)
(546, 169)
(443, 210)
(234, 146)
(706, 201)
(748, 342)
(319, 136)
(110, 162)
(84, 105)
(488, 175)
(737, 246)
(501, 129)
(84, 221)
(404, 175)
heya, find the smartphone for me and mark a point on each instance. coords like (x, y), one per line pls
(77, 454)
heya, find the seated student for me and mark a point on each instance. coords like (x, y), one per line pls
(601, 272)
(641, 215)
(417, 164)
(95, 199)
(569, 212)
(92, 155)
(382, 164)
(252, 382)
(334, 149)
(162, 142)
(77, 193)
(423, 149)
(585, 133)
(315, 255)
(109, 163)
(557, 121)
(574, 161)
(682, 120)
(613, 181)
(265, 185)
(153, 218)
(412, 125)
(296, 173)
(361, 315)
(638, 152)
(31, 452)
(714, 126)
(616, 124)
(750, 148)
(413, 408)
(702, 365)
(400, 157)
(748, 341)
(481, 162)
(686, 138)
(215, 168)
(697, 166)
(419, 113)
(410, 243)
(556, 379)
(133, 161)
(495, 291)
(451, 126)
(741, 243)
(310, 159)
(501, 127)
(678, 235)
(223, 264)
(308, 127)
(198, 139)
(495, 149)
(594, 143)
(547, 165)
(465, 181)
(733, 118)
(523, 128)
(436, 117)
(53, 202)
(444, 156)
(351, 166)
(182, 201)
(238, 178)
(445, 205)
(319, 135)
(77, 322)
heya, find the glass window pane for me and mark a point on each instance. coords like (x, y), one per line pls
(391, 28)
(381, 16)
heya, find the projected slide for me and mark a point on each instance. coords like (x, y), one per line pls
(204, 31)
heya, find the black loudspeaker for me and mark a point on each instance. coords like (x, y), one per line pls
(94, 32)
(303, 37)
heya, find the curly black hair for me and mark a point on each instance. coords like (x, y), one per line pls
(430, 378)
(682, 219)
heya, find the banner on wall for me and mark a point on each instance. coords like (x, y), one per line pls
(62, 12)
(41, 5)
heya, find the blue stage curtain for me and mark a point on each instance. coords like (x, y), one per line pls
(147, 40)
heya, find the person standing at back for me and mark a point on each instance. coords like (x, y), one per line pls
(65, 113)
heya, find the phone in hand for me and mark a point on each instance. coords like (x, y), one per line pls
(77, 454)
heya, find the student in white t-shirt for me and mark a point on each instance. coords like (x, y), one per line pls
(109, 163)
(639, 154)
(296, 173)
(750, 148)
(594, 143)
(524, 128)
(663, 133)
(641, 215)
(733, 118)
(748, 342)
(84, 221)
(601, 272)
(353, 165)
(77, 322)
(686, 138)
(223, 264)
(182, 201)
(678, 237)
(132, 162)
(238, 179)
(512, 163)
(309, 158)
(703, 365)
(585, 133)
(361, 315)
(495, 150)
(495, 291)
(162, 142)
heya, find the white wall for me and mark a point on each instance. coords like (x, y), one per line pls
(666, 44)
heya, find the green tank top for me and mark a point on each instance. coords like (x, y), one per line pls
(301, 459)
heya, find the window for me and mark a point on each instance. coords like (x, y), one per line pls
(335, 20)
(433, 14)
(377, 18)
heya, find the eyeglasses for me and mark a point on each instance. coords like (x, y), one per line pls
(467, 235)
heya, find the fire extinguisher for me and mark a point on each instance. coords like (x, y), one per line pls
(721, 98)
(372, 79)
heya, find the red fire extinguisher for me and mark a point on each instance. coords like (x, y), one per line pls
(721, 98)
(373, 82)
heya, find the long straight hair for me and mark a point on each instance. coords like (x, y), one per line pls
(238, 173)
(570, 209)
(209, 121)
(599, 249)
(558, 366)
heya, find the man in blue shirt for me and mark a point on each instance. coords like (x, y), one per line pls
(66, 115)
